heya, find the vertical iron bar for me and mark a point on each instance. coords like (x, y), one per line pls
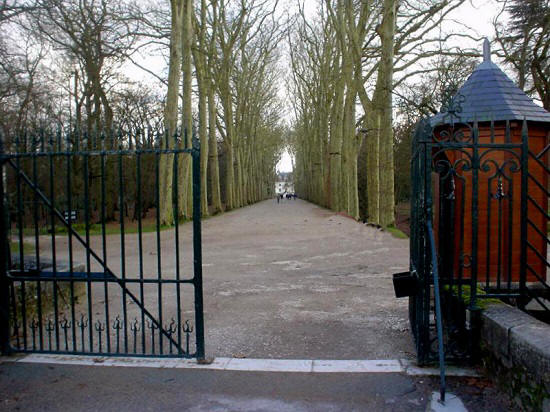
(418, 184)
(451, 251)
(197, 247)
(14, 314)
(424, 317)
(488, 258)
(122, 246)
(415, 260)
(58, 135)
(159, 268)
(176, 233)
(54, 259)
(42, 141)
(22, 286)
(70, 240)
(461, 242)
(88, 263)
(104, 247)
(510, 229)
(140, 248)
(439, 321)
(4, 245)
(82, 325)
(33, 328)
(500, 233)
(37, 247)
(475, 194)
(524, 212)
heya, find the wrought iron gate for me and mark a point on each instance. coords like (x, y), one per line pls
(86, 266)
(480, 195)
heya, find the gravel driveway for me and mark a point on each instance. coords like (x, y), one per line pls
(288, 280)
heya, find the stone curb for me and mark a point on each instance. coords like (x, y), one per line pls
(521, 344)
(517, 339)
(248, 365)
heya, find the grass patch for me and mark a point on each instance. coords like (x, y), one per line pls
(96, 229)
(481, 302)
(28, 248)
(395, 232)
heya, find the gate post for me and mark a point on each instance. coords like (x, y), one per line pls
(524, 213)
(197, 245)
(4, 245)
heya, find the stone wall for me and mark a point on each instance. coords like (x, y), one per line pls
(516, 353)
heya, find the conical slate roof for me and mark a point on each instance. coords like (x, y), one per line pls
(490, 95)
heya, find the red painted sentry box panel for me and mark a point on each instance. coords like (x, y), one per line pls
(498, 227)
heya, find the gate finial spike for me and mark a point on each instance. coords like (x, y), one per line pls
(486, 50)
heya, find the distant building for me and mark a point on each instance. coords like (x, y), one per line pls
(284, 183)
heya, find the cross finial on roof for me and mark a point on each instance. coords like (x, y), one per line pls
(486, 50)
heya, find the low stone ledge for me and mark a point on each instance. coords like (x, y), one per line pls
(530, 348)
(517, 354)
(497, 321)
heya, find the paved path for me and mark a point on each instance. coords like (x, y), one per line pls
(289, 280)
(45, 387)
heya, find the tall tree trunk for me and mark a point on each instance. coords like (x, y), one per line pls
(213, 162)
(335, 151)
(171, 114)
(240, 178)
(184, 177)
(203, 84)
(203, 136)
(228, 141)
(384, 105)
(373, 167)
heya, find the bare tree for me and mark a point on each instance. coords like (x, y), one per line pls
(355, 51)
(525, 44)
(10, 9)
(97, 35)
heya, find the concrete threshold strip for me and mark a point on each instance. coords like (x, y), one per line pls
(250, 365)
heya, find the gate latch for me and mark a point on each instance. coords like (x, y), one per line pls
(405, 284)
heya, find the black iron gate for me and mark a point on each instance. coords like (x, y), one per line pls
(424, 301)
(87, 264)
(479, 227)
